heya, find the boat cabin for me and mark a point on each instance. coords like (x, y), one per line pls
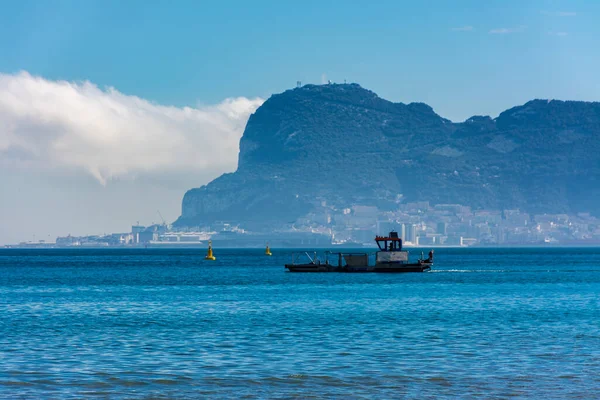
(390, 250)
(395, 243)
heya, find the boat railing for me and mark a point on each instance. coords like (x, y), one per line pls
(314, 258)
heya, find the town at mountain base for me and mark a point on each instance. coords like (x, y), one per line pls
(311, 155)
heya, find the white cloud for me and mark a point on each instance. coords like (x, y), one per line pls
(57, 124)
(503, 31)
(558, 33)
(560, 13)
(463, 29)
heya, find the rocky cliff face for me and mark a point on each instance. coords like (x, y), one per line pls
(344, 145)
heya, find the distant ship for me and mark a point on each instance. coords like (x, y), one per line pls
(347, 245)
(389, 258)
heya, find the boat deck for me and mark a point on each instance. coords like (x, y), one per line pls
(353, 263)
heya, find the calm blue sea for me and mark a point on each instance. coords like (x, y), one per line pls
(167, 324)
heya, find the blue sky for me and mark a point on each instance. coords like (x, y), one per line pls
(190, 52)
(111, 110)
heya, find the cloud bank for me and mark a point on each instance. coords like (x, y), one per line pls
(58, 124)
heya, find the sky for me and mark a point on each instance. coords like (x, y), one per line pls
(111, 110)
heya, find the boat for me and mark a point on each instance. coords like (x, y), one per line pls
(390, 258)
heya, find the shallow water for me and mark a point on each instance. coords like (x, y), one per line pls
(166, 323)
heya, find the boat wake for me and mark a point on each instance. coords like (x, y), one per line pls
(468, 270)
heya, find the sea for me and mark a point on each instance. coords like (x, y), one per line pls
(162, 323)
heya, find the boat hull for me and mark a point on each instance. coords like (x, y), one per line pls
(310, 268)
(382, 269)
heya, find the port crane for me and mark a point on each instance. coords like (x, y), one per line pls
(161, 218)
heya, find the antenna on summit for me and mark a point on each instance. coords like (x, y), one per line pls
(298, 84)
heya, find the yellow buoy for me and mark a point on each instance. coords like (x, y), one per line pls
(268, 251)
(209, 255)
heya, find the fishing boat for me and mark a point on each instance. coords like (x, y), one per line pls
(390, 258)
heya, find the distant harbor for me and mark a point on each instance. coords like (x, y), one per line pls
(419, 224)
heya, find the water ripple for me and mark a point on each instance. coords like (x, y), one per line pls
(163, 324)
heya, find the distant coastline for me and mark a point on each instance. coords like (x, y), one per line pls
(171, 246)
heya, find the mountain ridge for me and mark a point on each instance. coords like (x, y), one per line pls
(344, 145)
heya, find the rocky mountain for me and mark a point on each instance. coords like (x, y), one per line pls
(343, 145)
